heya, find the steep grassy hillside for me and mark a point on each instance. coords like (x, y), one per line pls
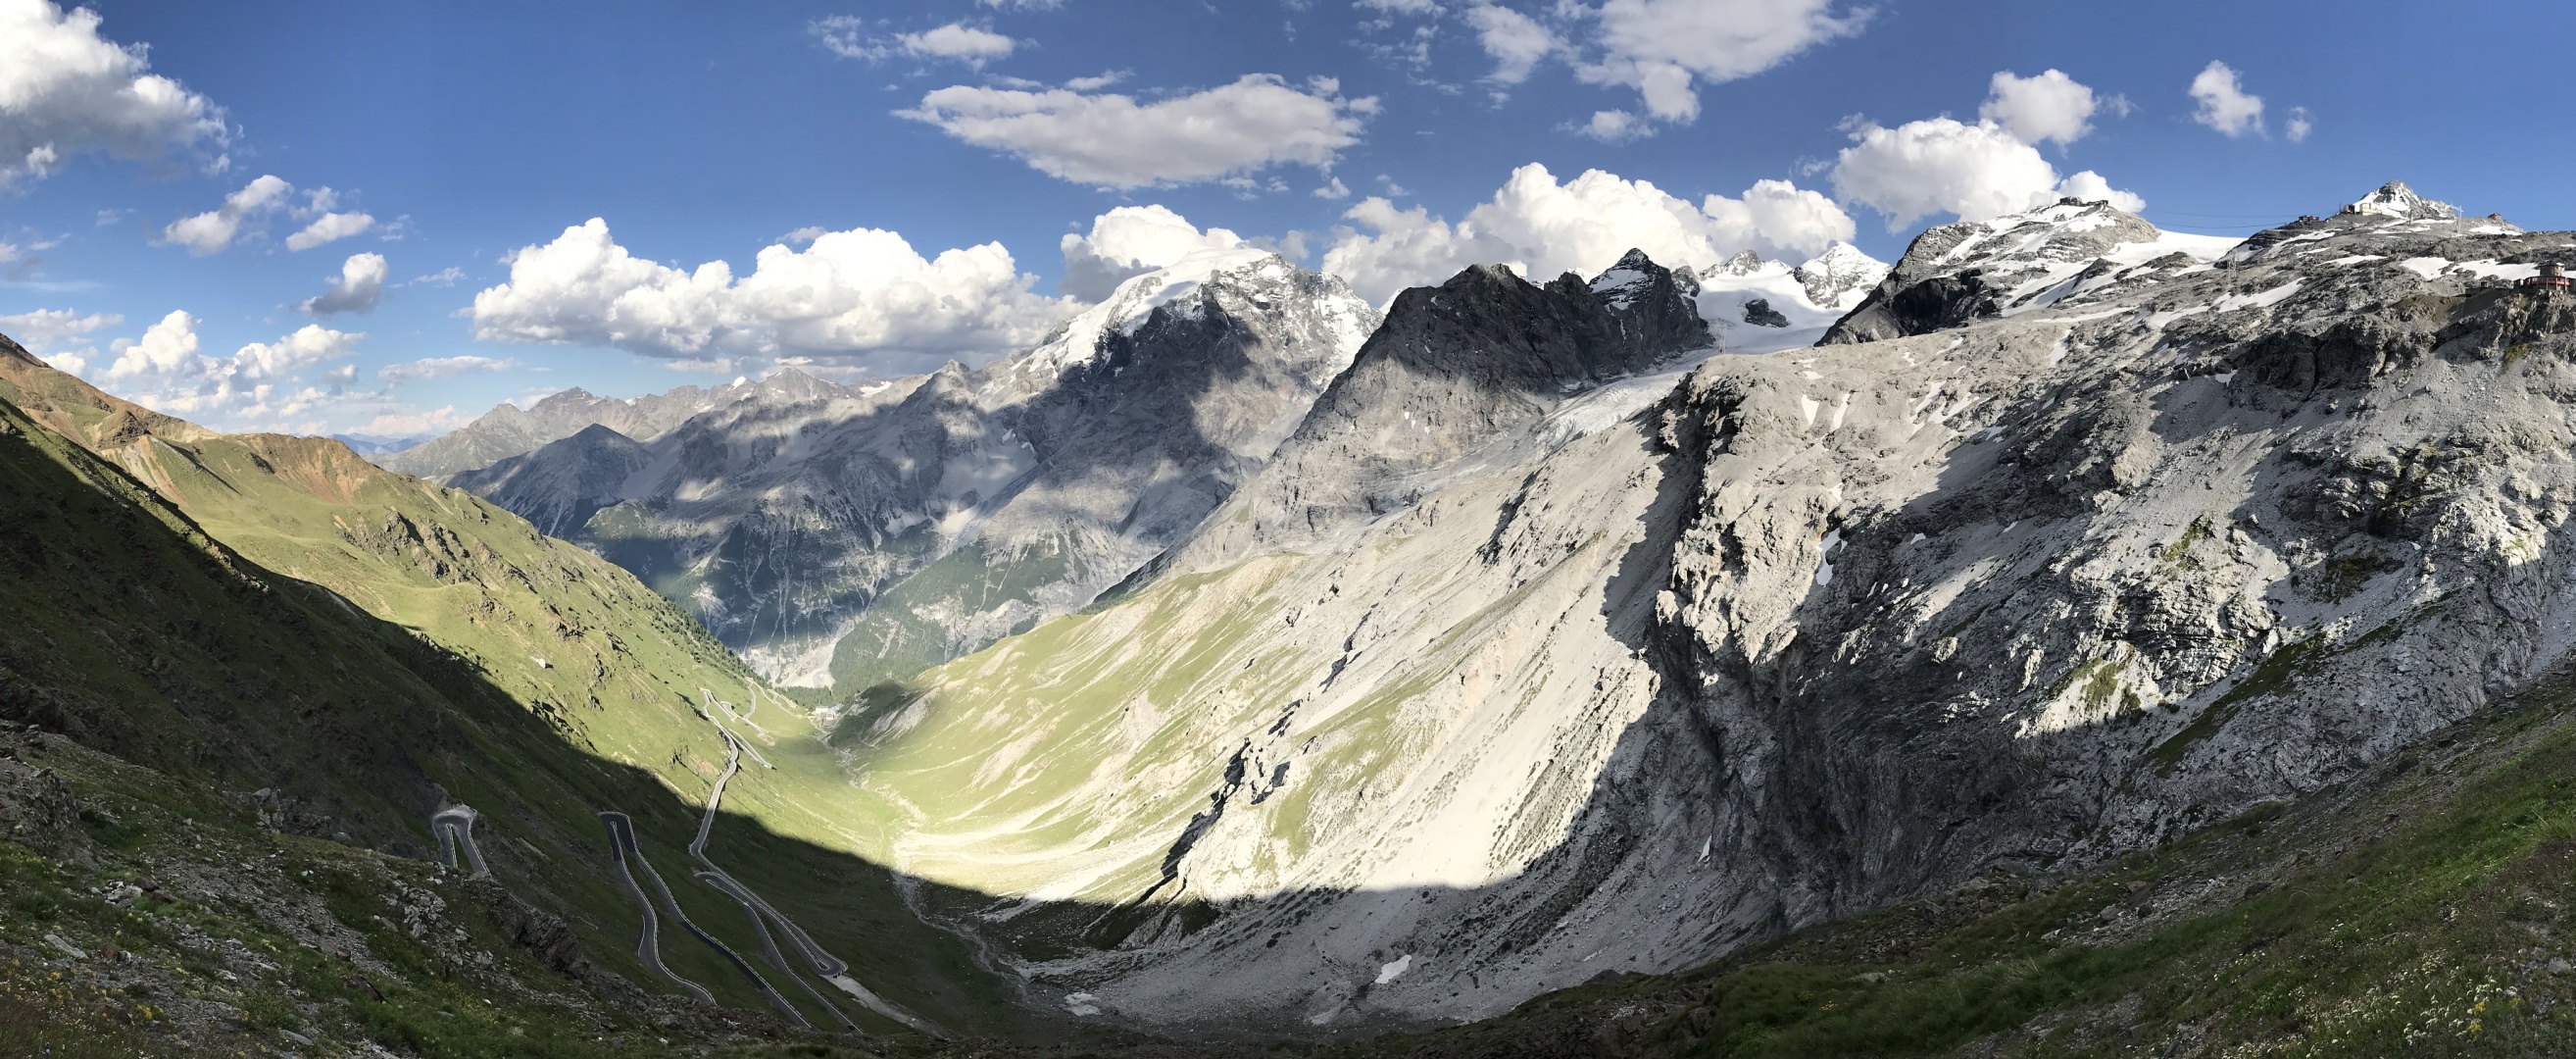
(272, 614)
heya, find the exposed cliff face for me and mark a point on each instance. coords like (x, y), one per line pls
(1630, 676)
(2171, 549)
(2032, 592)
(1481, 357)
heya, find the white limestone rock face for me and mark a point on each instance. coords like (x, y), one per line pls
(1668, 660)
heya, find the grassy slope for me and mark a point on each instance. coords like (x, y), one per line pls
(1045, 708)
(418, 666)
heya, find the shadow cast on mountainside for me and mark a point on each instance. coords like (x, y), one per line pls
(137, 635)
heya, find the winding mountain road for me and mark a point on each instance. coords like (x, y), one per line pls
(455, 827)
(752, 905)
(744, 717)
(830, 968)
(621, 845)
(624, 838)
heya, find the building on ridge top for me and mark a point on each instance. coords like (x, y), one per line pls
(2551, 277)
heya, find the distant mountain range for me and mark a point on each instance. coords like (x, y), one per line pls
(371, 445)
(508, 430)
(850, 538)
(831, 573)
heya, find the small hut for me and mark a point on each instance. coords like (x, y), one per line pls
(2551, 277)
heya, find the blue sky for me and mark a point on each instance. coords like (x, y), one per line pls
(453, 136)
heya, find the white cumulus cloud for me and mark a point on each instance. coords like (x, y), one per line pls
(2299, 125)
(958, 41)
(307, 346)
(65, 90)
(1665, 48)
(167, 348)
(164, 371)
(1515, 41)
(329, 227)
(1130, 241)
(2224, 103)
(1979, 171)
(1111, 141)
(2051, 106)
(847, 36)
(360, 284)
(443, 368)
(1583, 225)
(1942, 165)
(847, 294)
(412, 424)
(214, 230)
(1616, 126)
(50, 334)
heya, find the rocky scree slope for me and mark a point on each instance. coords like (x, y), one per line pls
(2420, 909)
(2126, 543)
(852, 540)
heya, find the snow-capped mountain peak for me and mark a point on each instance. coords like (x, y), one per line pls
(1624, 282)
(2395, 199)
(2020, 262)
(1078, 340)
(1841, 274)
(1743, 264)
(1755, 305)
